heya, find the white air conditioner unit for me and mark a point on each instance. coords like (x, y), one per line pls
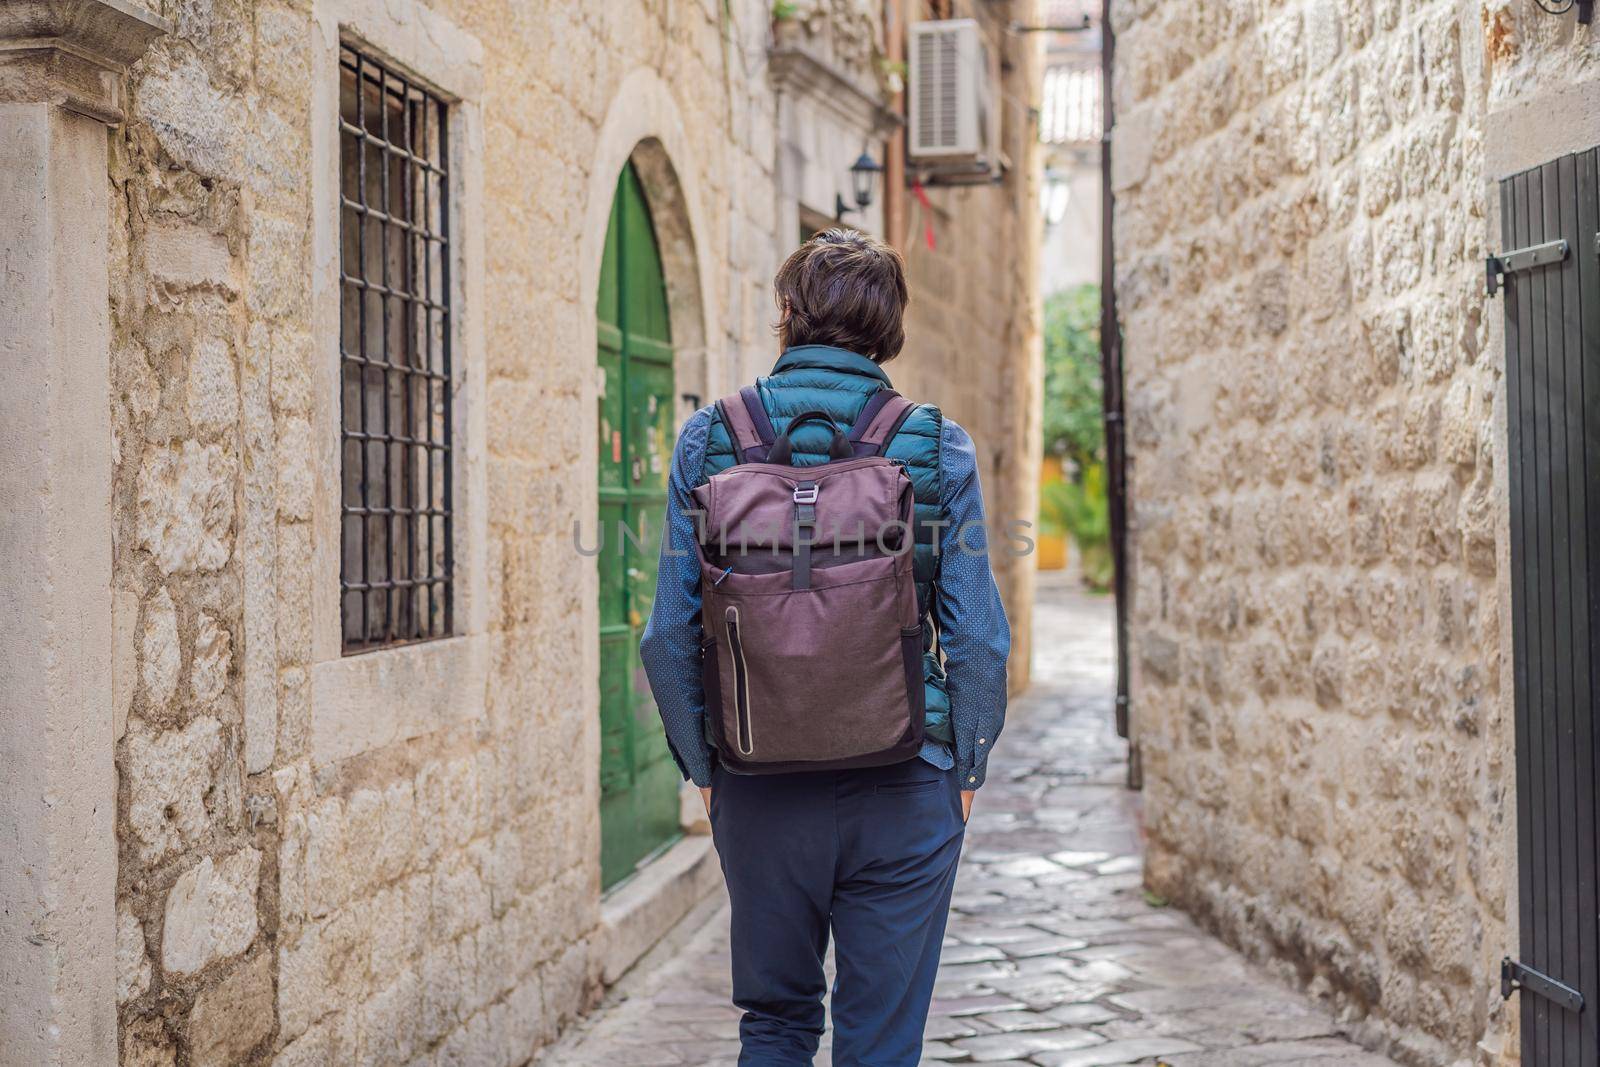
(954, 121)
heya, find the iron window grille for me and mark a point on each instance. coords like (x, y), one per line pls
(396, 561)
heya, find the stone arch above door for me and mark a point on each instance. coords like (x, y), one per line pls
(643, 125)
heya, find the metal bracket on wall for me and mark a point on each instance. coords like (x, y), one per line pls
(1514, 976)
(1496, 267)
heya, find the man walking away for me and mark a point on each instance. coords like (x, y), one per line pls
(838, 784)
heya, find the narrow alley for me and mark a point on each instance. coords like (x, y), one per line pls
(1054, 955)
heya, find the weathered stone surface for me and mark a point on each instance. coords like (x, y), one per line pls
(194, 121)
(182, 256)
(213, 655)
(213, 391)
(186, 506)
(233, 1016)
(168, 776)
(133, 963)
(211, 912)
(331, 1041)
(1318, 539)
(295, 481)
(146, 1045)
(162, 657)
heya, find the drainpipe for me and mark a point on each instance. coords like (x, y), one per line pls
(1112, 399)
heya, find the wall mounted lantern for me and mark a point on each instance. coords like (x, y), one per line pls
(863, 180)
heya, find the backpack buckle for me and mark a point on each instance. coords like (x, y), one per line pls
(806, 494)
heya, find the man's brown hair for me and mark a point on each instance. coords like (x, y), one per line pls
(846, 289)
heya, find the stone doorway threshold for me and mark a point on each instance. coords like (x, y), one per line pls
(639, 912)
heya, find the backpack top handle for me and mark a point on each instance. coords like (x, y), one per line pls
(782, 451)
(753, 439)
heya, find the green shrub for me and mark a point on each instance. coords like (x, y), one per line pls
(1074, 425)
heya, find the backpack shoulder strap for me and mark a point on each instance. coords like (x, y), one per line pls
(746, 419)
(881, 418)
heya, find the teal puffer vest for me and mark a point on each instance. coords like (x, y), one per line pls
(838, 382)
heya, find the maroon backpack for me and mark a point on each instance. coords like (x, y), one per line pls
(813, 649)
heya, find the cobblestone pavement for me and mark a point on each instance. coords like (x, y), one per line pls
(1054, 957)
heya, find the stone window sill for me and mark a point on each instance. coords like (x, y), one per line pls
(360, 703)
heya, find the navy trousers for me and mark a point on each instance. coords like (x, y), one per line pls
(870, 854)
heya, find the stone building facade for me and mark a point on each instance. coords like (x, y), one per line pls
(307, 857)
(1321, 658)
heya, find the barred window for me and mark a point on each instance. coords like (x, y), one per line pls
(394, 341)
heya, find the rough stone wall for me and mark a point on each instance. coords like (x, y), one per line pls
(972, 328)
(1316, 426)
(440, 895)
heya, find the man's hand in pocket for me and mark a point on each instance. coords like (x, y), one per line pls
(705, 795)
(966, 803)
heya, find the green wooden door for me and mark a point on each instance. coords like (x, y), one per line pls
(638, 780)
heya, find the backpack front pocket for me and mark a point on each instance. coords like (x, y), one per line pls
(817, 674)
(741, 683)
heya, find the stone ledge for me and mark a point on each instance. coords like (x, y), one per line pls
(642, 910)
(794, 67)
(360, 703)
(73, 52)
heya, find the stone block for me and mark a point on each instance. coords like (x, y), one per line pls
(278, 263)
(185, 505)
(363, 839)
(211, 912)
(213, 657)
(133, 963)
(323, 967)
(294, 598)
(460, 899)
(296, 464)
(387, 1022)
(213, 389)
(304, 992)
(329, 879)
(168, 776)
(568, 984)
(396, 833)
(233, 1016)
(194, 121)
(525, 1019)
(1133, 141)
(290, 354)
(391, 940)
(333, 1040)
(443, 991)
(162, 657)
(183, 256)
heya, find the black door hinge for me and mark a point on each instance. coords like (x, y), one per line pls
(1497, 267)
(1514, 976)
